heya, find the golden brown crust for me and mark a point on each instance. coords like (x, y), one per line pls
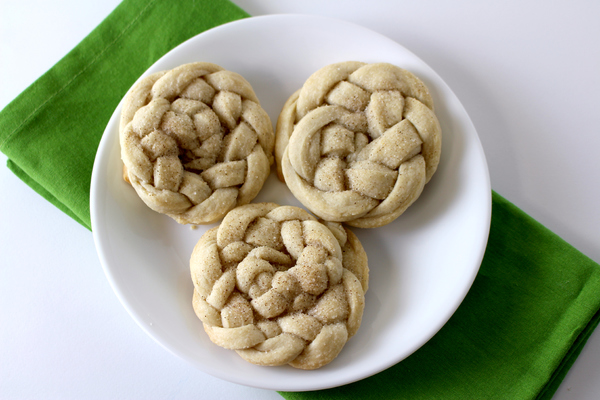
(195, 142)
(358, 142)
(279, 287)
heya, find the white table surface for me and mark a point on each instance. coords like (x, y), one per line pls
(527, 73)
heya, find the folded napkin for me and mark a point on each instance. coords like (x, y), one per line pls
(530, 311)
(51, 131)
(532, 307)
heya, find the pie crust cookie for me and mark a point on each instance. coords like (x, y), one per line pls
(279, 287)
(358, 142)
(195, 142)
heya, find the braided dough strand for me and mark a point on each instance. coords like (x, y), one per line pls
(278, 286)
(195, 142)
(358, 142)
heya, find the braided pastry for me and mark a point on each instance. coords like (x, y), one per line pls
(279, 287)
(195, 142)
(358, 142)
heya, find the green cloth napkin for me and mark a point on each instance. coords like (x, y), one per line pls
(51, 131)
(531, 309)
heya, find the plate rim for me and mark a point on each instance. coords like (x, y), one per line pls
(97, 174)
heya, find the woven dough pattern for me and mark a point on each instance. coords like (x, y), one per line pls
(278, 286)
(358, 142)
(195, 142)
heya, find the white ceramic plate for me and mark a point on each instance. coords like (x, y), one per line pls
(422, 264)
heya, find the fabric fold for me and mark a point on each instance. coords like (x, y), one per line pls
(51, 131)
(527, 316)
